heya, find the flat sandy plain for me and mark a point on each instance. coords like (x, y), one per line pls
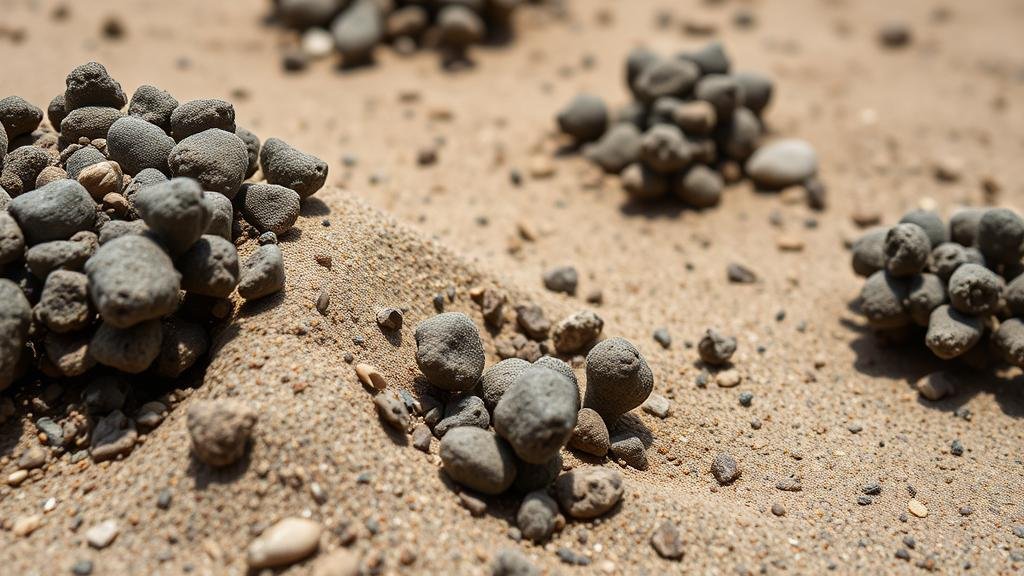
(400, 233)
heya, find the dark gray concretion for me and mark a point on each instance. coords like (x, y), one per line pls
(1001, 236)
(478, 459)
(949, 256)
(175, 211)
(458, 27)
(15, 317)
(537, 414)
(739, 138)
(618, 379)
(560, 366)
(91, 122)
(306, 13)
(642, 183)
(664, 149)
(974, 289)
(449, 351)
(216, 158)
(663, 110)
(757, 90)
(64, 304)
(629, 450)
(695, 118)
(963, 225)
(591, 434)
(21, 168)
(710, 58)
(131, 280)
(700, 187)
(262, 274)
(182, 345)
(881, 300)
(1013, 294)
(197, 116)
(562, 279)
(536, 516)
(153, 105)
(951, 332)
(91, 85)
(588, 492)
(722, 91)
(252, 147)
(3, 146)
(868, 252)
(54, 212)
(287, 166)
(463, 411)
(930, 222)
(906, 250)
(117, 228)
(716, 348)
(221, 214)
(1009, 341)
(668, 77)
(585, 118)
(269, 207)
(530, 477)
(210, 267)
(618, 148)
(496, 379)
(82, 159)
(56, 111)
(357, 30)
(130, 349)
(136, 145)
(637, 60)
(46, 257)
(12, 240)
(18, 117)
(927, 292)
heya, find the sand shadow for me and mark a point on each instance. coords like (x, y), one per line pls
(628, 425)
(662, 208)
(204, 475)
(314, 206)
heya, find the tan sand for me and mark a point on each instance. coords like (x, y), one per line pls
(879, 120)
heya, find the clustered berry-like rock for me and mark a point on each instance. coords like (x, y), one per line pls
(961, 283)
(119, 234)
(693, 127)
(502, 429)
(355, 28)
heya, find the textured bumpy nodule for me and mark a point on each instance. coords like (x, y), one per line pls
(618, 379)
(216, 158)
(537, 414)
(449, 351)
(54, 212)
(131, 280)
(136, 145)
(478, 459)
(269, 207)
(286, 166)
(175, 211)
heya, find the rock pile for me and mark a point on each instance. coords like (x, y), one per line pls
(693, 127)
(120, 222)
(356, 28)
(959, 284)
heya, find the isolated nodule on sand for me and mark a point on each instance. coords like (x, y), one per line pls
(578, 308)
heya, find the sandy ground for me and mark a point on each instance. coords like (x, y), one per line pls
(879, 119)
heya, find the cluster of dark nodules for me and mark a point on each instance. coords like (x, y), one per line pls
(355, 28)
(962, 283)
(502, 428)
(120, 222)
(694, 126)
